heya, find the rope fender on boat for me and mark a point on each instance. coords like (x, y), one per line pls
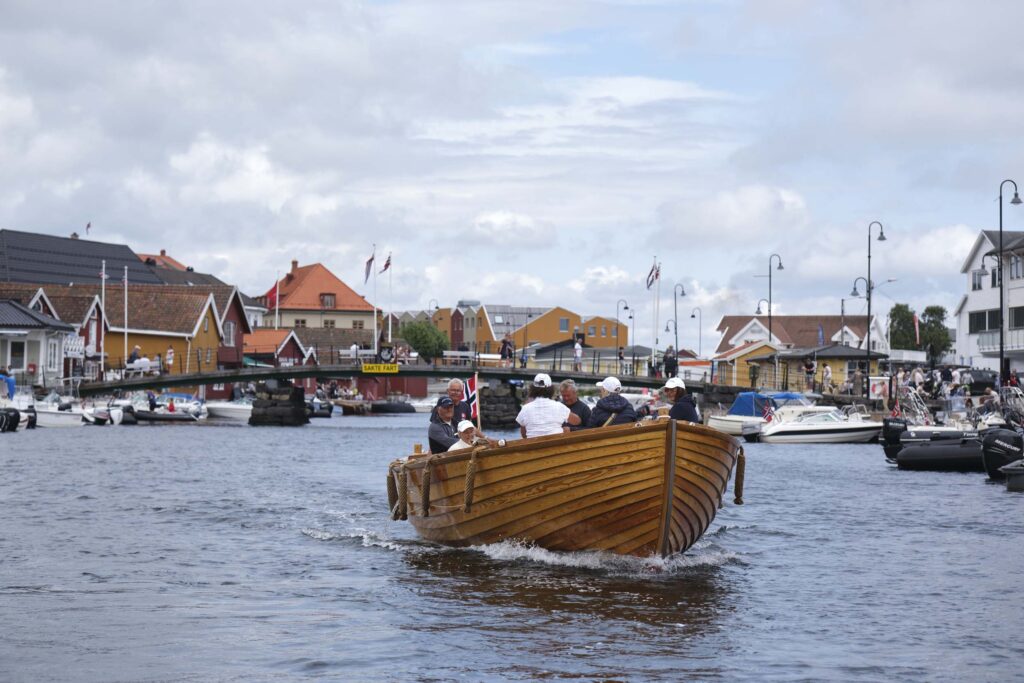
(470, 481)
(741, 466)
(425, 486)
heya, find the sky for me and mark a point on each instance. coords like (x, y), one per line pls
(529, 152)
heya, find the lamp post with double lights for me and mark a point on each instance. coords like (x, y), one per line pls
(1015, 200)
(867, 334)
(697, 313)
(677, 292)
(770, 336)
(619, 305)
(632, 321)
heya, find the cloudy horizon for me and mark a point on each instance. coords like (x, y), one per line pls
(529, 153)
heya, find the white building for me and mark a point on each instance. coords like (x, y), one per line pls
(977, 314)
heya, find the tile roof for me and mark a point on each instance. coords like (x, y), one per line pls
(17, 315)
(34, 257)
(792, 330)
(174, 310)
(267, 340)
(301, 289)
(162, 260)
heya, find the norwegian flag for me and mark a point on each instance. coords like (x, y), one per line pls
(471, 396)
(387, 263)
(654, 275)
(896, 411)
(769, 411)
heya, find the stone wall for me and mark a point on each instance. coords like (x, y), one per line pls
(499, 405)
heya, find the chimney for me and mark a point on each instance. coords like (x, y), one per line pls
(163, 252)
(74, 235)
(295, 265)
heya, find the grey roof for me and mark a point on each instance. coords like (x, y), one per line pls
(836, 351)
(512, 317)
(173, 276)
(1012, 240)
(14, 315)
(49, 259)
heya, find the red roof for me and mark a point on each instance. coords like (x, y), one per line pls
(302, 288)
(799, 331)
(163, 260)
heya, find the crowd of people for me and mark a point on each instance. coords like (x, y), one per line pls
(451, 426)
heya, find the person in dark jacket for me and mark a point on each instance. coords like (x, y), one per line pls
(441, 432)
(571, 399)
(611, 408)
(683, 407)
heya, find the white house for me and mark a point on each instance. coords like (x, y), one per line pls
(32, 344)
(977, 314)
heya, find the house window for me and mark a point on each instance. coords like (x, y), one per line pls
(604, 330)
(300, 322)
(209, 354)
(328, 324)
(499, 319)
(977, 278)
(563, 324)
(980, 321)
(52, 354)
(592, 330)
(615, 331)
(995, 277)
(206, 324)
(229, 333)
(327, 300)
(1017, 317)
(16, 355)
(357, 325)
(1016, 267)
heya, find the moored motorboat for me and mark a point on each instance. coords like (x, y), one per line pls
(163, 415)
(833, 426)
(230, 410)
(48, 417)
(646, 489)
(388, 407)
(942, 455)
(999, 448)
(748, 410)
(103, 415)
(12, 419)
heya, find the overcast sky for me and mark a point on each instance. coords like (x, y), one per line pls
(525, 152)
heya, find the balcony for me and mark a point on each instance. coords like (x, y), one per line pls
(1013, 340)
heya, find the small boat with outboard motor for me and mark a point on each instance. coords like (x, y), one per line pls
(848, 425)
(999, 448)
(749, 409)
(230, 410)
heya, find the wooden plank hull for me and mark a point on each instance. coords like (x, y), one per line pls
(651, 489)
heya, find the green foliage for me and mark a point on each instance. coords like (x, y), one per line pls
(934, 334)
(425, 339)
(901, 327)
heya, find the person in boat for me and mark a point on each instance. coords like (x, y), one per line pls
(467, 436)
(441, 432)
(456, 392)
(683, 407)
(612, 408)
(543, 416)
(571, 399)
(170, 406)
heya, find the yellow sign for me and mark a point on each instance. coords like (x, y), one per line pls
(380, 368)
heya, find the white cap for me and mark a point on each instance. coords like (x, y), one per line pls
(542, 380)
(610, 384)
(675, 383)
(464, 425)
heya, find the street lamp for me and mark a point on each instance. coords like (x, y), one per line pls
(633, 335)
(759, 302)
(625, 307)
(677, 292)
(868, 287)
(525, 356)
(842, 312)
(770, 293)
(697, 313)
(1015, 200)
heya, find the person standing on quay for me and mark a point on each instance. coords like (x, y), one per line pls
(577, 356)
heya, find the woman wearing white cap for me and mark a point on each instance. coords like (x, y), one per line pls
(612, 408)
(683, 407)
(543, 416)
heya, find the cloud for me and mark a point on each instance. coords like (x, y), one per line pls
(748, 212)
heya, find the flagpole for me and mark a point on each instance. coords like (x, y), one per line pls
(654, 312)
(476, 399)
(373, 267)
(391, 300)
(277, 301)
(103, 335)
(125, 283)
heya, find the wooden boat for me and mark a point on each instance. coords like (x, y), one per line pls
(647, 489)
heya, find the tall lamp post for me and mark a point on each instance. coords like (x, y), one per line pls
(677, 292)
(624, 307)
(632, 320)
(1015, 200)
(869, 287)
(697, 313)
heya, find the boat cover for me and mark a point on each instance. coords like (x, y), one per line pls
(749, 403)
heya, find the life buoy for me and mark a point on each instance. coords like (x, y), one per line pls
(31, 368)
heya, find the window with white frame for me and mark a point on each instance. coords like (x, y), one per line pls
(977, 280)
(52, 355)
(563, 324)
(1016, 267)
(229, 333)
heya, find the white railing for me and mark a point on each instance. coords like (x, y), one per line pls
(1013, 340)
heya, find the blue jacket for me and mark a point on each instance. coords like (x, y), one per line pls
(684, 409)
(612, 404)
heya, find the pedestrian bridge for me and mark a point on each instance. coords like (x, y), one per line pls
(359, 369)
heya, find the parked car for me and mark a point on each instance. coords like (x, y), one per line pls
(982, 380)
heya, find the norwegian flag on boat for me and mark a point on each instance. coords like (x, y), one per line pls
(471, 396)
(769, 411)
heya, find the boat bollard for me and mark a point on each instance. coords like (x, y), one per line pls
(741, 466)
(417, 448)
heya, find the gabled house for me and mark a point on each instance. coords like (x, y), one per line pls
(282, 348)
(32, 344)
(48, 259)
(977, 314)
(312, 296)
(801, 331)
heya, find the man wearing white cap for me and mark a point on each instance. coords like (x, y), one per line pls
(467, 436)
(543, 416)
(612, 408)
(683, 407)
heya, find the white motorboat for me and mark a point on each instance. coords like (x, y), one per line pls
(230, 410)
(747, 413)
(103, 415)
(833, 426)
(47, 416)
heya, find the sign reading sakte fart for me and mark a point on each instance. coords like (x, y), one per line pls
(380, 368)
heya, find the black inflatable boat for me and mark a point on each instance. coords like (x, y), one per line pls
(1001, 447)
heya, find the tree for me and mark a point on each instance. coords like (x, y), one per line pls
(901, 327)
(934, 333)
(425, 339)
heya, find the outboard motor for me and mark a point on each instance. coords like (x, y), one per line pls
(9, 419)
(32, 417)
(1001, 447)
(892, 428)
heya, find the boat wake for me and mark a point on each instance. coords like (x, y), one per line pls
(701, 555)
(366, 537)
